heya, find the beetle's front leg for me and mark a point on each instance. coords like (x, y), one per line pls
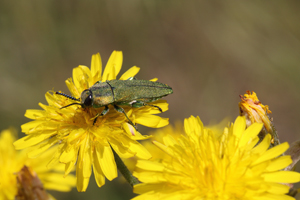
(121, 110)
(105, 110)
(139, 104)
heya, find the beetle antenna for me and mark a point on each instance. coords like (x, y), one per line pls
(68, 96)
(71, 105)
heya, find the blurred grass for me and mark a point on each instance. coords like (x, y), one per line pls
(208, 51)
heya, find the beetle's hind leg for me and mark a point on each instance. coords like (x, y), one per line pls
(139, 104)
(121, 110)
(105, 110)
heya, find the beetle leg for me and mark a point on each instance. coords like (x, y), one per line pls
(139, 104)
(98, 82)
(121, 110)
(105, 110)
(154, 106)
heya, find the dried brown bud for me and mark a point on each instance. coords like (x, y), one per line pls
(29, 186)
(255, 111)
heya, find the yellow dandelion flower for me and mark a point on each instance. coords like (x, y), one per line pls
(175, 131)
(12, 161)
(82, 140)
(203, 166)
(255, 111)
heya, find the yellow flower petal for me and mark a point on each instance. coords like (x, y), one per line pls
(68, 155)
(122, 151)
(193, 127)
(282, 177)
(250, 133)
(279, 163)
(263, 145)
(105, 157)
(34, 114)
(80, 78)
(169, 140)
(42, 147)
(64, 185)
(75, 135)
(274, 197)
(82, 182)
(239, 126)
(31, 140)
(163, 122)
(148, 165)
(164, 148)
(141, 151)
(83, 167)
(72, 88)
(113, 66)
(277, 188)
(96, 68)
(130, 73)
(155, 191)
(86, 80)
(272, 153)
(133, 134)
(99, 176)
(85, 158)
(30, 125)
(154, 79)
(70, 165)
(151, 121)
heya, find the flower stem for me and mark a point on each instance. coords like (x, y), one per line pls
(124, 170)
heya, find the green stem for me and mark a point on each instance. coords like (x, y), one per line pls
(124, 170)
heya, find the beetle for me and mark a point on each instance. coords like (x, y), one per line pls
(130, 92)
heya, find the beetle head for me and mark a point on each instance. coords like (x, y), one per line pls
(87, 98)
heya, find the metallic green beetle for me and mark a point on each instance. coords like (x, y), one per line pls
(131, 92)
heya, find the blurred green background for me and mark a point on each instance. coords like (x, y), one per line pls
(210, 52)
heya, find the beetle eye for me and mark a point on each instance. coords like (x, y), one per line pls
(88, 101)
